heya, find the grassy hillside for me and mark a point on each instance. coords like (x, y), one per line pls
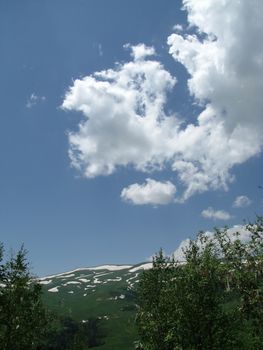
(106, 292)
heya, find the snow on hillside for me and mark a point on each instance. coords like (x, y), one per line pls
(145, 266)
(95, 268)
(111, 267)
(85, 279)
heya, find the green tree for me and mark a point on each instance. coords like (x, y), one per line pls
(24, 319)
(154, 304)
(73, 335)
(211, 301)
(243, 274)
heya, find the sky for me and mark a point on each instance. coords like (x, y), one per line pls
(127, 126)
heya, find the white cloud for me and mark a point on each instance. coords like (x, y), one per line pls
(151, 192)
(225, 63)
(178, 28)
(243, 235)
(140, 51)
(241, 202)
(34, 99)
(211, 213)
(100, 50)
(125, 120)
(178, 254)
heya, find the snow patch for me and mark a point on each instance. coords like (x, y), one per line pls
(132, 278)
(45, 282)
(67, 276)
(122, 296)
(117, 279)
(84, 280)
(111, 267)
(96, 281)
(145, 266)
(71, 282)
(95, 268)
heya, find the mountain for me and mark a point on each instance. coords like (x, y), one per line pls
(107, 292)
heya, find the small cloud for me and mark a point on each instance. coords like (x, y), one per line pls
(34, 99)
(31, 101)
(211, 213)
(241, 202)
(178, 28)
(100, 50)
(140, 51)
(151, 192)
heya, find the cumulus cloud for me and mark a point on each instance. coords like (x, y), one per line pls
(151, 192)
(225, 62)
(140, 51)
(241, 202)
(211, 213)
(126, 122)
(243, 235)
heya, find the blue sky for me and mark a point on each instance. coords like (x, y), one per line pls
(165, 140)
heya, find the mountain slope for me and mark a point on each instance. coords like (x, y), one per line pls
(107, 292)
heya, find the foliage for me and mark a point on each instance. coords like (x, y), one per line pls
(23, 318)
(214, 300)
(73, 335)
(26, 324)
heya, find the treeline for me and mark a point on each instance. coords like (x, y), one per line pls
(212, 301)
(26, 323)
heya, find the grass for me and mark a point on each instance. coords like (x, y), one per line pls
(112, 300)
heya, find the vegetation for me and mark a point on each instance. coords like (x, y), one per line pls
(25, 322)
(23, 318)
(212, 301)
(72, 335)
(97, 294)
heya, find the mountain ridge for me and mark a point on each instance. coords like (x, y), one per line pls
(109, 267)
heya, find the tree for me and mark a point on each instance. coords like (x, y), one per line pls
(154, 303)
(243, 270)
(23, 319)
(211, 301)
(26, 324)
(74, 335)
